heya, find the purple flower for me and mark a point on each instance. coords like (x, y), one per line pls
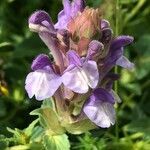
(42, 82)
(41, 23)
(81, 74)
(79, 78)
(99, 108)
(115, 55)
(71, 9)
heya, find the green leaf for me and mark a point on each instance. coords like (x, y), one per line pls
(127, 1)
(19, 135)
(6, 47)
(49, 120)
(30, 47)
(31, 146)
(37, 134)
(3, 110)
(3, 142)
(143, 45)
(134, 87)
(142, 68)
(140, 125)
(58, 142)
(142, 62)
(30, 128)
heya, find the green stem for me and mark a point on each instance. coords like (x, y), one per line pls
(134, 11)
(116, 68)
(117, 18)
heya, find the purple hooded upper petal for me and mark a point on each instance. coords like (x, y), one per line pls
(115, 54)
(121, 41)
(99, 108)
(40, 62)
(69, 12)
(116, 48)
(40, 19)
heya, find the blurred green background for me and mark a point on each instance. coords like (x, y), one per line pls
(18, 47)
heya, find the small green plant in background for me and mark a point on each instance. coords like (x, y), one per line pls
(18, 47)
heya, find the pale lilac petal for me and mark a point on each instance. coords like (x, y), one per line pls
(74, 58)
(77, 6)
(80, 74)
(99, 108)
(103, 115)
(42, 84)
(75, 79)
(69, 12)
(63, 20)
(91, 71)
(28, 84)
(67, 7)
(64, 16)
(125, 63)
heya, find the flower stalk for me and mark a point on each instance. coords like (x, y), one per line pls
(80, 79)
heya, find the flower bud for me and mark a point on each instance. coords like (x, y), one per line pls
(40, 20)
(86, 24)
(95, 49)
